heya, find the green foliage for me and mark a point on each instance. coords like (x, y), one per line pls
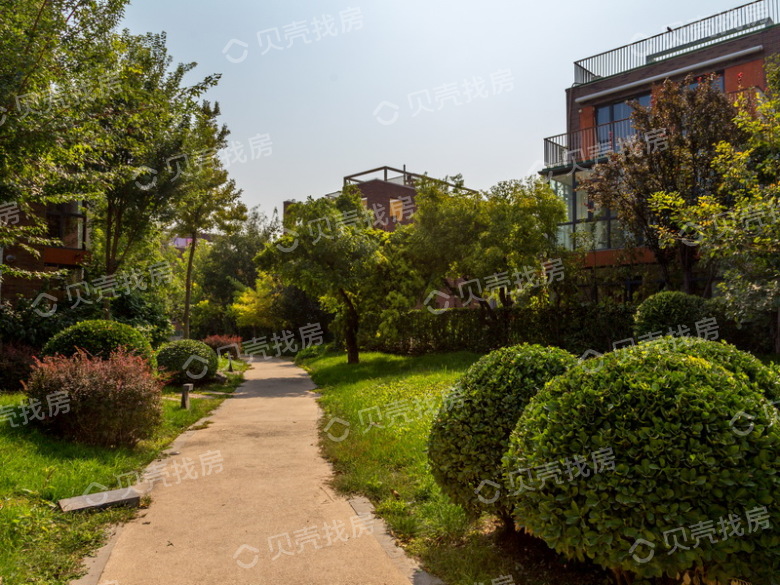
(112, 402)
(471, 432)
(99, 339)
(576, 328)
(146, 313)
(669, 310)
(739, 363)
(676, 461)
(187, 361)
(334, 266)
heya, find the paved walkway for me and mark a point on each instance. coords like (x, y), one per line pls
(215, 529)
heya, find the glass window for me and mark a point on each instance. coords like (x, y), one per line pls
(581, 207)
(601, 235)
(617, 236)
(562, 186)
(564, 236)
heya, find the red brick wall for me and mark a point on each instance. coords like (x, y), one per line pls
(769, 39)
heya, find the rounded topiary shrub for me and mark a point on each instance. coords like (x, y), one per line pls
(98, 338)
(187, 361)
(669, 310)
(729, 357)
(613, 463)
(471, 432)
(109, 402)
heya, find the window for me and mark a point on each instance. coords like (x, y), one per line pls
(65, 222)
(614, 124)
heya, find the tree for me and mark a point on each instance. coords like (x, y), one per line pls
(460, 234)
(210, 200)
(44, 46)
(231, 257)
(140, 132)
(672, 151)
(329, 251)
(259, 306)
(743, 237)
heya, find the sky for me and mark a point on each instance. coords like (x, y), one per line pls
(315, 90)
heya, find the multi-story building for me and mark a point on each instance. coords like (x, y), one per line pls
(734, 45)
(67, 224)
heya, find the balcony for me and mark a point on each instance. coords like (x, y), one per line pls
(591, 144)
(743, 20)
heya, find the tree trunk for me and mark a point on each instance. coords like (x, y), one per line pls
(351, 328)
(687, 262)
(188, 288)
(777, 333)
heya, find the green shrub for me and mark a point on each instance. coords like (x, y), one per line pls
(729, 357)
(669, 309)
(187, 361)
(110, 402)
(654, 429)
(99, 339)
(471, 432)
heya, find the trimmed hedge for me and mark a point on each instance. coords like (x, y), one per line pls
(659, 423)
(669, 309)
(574, 328)
(187, 361)
(471, 432)
(98, 338)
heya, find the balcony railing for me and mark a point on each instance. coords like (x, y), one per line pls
(593, 143)
(715, 29)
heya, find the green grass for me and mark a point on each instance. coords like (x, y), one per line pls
(38, 543)
(388, 464)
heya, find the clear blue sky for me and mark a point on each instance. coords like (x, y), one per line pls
(318, 101)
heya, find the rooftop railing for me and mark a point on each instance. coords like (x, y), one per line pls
(745, 19)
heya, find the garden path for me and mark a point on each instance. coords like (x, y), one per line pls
(265, 491)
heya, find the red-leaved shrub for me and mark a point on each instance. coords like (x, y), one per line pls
(110, 402)
(16, 362)
(223, 344)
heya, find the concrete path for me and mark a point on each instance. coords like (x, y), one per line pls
(224, 517)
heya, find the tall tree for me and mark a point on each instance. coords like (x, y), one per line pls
(209, 200)
(141, 131)
(671, 152)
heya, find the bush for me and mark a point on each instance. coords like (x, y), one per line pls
(218, 342)
(188, 361)
(471, 432)
(16, 362)
(669, 309)
(110, 402)
(727, 356)
(660, 425)
(99, 339)
(576, 328)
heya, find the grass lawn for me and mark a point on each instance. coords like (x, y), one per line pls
(387, 462)
(38, 543)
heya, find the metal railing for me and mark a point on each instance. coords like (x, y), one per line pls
(590, 144)
(715, 29)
